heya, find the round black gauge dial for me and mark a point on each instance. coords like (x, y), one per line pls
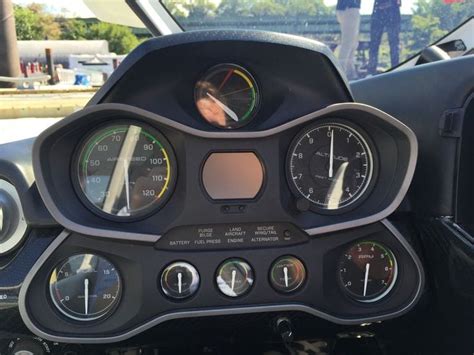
(367, 271)
(85, 287)
(227, 96)
(234, 277)
(179, 280)
(126, 170)
(287, 274)
(330, 165)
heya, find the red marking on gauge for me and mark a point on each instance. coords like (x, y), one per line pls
(228, 75)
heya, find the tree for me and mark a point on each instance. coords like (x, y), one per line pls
(121, 39)
(73, 29)
(200, 9)
(273, 8)
(308, 8)
(433, 18)
(32, 23)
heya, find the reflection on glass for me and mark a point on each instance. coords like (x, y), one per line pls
(227, 96)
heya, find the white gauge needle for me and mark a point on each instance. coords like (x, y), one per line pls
(232, 282)
(331, 155)
(180, 282)
(86, 296)
(127, 184)
(226, 109)
(366, 277)
(285, 272)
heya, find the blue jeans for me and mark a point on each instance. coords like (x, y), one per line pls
(384, 19)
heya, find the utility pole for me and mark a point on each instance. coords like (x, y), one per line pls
(9, 57)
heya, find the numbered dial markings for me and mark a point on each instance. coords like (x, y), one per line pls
(330, 165)
(367, 271)
(85, 287)
(126, 170)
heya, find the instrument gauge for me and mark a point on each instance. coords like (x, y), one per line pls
(367, 271)
(227, 96)
(85, 287)
(125, 170)
(330, 166)
(179, 280)
(234, 277)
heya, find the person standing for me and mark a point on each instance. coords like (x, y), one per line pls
(386, 14)
(348, 16)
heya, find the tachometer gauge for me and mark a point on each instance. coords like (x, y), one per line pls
(85, 287)
(330, 165)
(125, 170)
(367, 271)
(227, 96)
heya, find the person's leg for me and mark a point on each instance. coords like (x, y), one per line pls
(351, 69)
(376, 31)
(393, 31)
(349, 21)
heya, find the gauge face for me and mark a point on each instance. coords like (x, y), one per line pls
(227, 96)
(367, 271)
(287, 274)
(126, 170)
(330, 165)
(179, 280)
(85, 287)
(234, 277)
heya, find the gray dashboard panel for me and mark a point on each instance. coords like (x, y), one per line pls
(39, 330)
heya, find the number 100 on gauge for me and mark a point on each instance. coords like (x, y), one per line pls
(125, 170)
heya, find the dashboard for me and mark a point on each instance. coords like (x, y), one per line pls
(243, 179)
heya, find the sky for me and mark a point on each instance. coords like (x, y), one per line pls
(76, 8)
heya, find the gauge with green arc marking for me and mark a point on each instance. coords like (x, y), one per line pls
(367, 271)
(227, 96)
(125, 170)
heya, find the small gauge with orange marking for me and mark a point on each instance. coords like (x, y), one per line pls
(227, 96)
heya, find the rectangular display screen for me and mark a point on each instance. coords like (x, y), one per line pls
(232, 176)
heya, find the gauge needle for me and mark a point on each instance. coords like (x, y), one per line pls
(366, 277)
(226, 109)
(86, 296)
(285, 272)
(331, 155)
(180, 282)
(232, 283)
(127, 185)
